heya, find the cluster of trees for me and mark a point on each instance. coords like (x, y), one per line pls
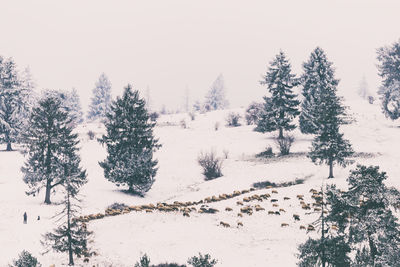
(321, 111)
(357, 226)
(215, 97)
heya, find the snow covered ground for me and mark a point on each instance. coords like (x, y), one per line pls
(121, 240)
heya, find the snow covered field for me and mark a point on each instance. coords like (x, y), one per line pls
(121, 240)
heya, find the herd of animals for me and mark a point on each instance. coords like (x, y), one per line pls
(243, 204)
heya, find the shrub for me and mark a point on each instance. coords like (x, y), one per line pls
(371, 99)
(25, 260)
(202, 261)
(284, 144)
(216, 126)
(266, 154)
(253, 113)
(192, 116)
(144, 261)
(183, 123)
(233, 119)
(91, 134)
(117, 206)
(154, 116)
(211, 165)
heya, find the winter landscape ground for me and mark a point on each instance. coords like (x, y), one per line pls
(261, 241)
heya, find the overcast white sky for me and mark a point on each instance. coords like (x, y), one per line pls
(170, 44)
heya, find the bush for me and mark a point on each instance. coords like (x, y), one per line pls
(192, 116)
(183, 123)
(91, 134)
(233, 119)
(26, 260)
(253, 113)
(154, 116)
(144, 261)
(266, 154)
(202, 261)
(211, 165)
(117, 206)
(284, 144)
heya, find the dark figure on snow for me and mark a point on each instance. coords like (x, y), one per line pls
(38, 218)
(25, 218)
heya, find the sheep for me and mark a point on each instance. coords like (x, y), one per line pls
(274, 192)
(302, 227)
(240, 224)
(214, 199)
(284, 224)
(245, 191)
(310, 228)
(239, 203)
(300, 197)
(282, 210)
(305, 207)
(275, 205)
(259, 208)
(274, 200)
(240, 214)
(148, 210)
(236, 193)
(277, 213)
(334, 227)
(207, 199)
(317, 209)
(252, 189)
(271, 212)
(246, 199)
(185, 214)
(86, 260)
(286, 198)
(302, 202)
(265, 196)
(224, 224)
(228, 209)
(296, 217)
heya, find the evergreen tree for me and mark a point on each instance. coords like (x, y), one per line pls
(71, 236)
(11, 103)
(388, 69)
(130, 143)
(70, 103)
(101, 99)
(46, 141)
(324, 119)
(318, 76)
(282, 107)
(215, 98)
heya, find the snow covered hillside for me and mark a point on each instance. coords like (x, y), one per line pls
(261, 240)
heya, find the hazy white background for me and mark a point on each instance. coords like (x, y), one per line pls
(170, 44)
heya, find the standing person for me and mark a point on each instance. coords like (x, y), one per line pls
(25, 218)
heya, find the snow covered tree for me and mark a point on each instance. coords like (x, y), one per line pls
(282, 106)
(324, 119)
(389, 70)
(70, 103)
(11, 102)
(318, 76)
(364, 214)
(101, 99)
(215, 98)
(46, 144)
(72, 235)
(25, 260)
(130, 143)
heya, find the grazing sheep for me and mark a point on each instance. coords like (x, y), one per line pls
(240, 214)
(274, 200)
(236, 193)
(86, 260)
(284, 224)
(310, 228)
(245, 191)
(246, 209)
(148, 210)
(228, 209)
(317, 209)
(300, 197)
(214, 199)
(274, 192)
(286, 198)
(224, 224)
(302, 202)
(302, 227)
(275, 205)
(258, 208)
(306, 207)
(207, 200)
(313, 191)
(240, 224)
(334, 227)
(265, 196)
(296, 217)
(282, 210)
(246, 199)
(185, 214)
(252, 189)
(277, 213)
(239, 203)
(271, 212)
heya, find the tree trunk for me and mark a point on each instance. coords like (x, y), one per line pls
(330, 169)
(48, 190)
(9, 148)
(70, 253)
(280, 133)
(372, 248)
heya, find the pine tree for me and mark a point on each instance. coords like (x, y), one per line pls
(70, 103)
(26, 259)
(215, 98)
(11, 103)
(282, 107)
(318, 76)
(50, 131)
(388, 69)
(71, 236)
(130, 143)
(101, 99)
(324, 119)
